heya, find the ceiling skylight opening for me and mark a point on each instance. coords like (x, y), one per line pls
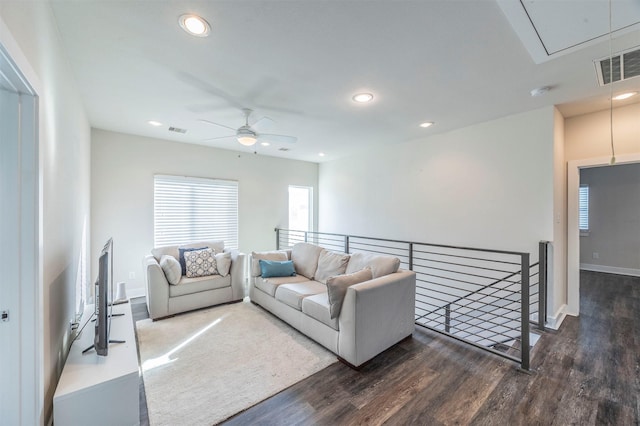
(426, 124)
(154, 123)
(624, 96)
(362, 98)
(194, 25)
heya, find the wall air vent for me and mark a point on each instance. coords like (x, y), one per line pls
(177, 130)
(624, 65)
(283, 149)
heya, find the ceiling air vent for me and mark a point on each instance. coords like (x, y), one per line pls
(283, 149)
(624, 65)
(177, 130)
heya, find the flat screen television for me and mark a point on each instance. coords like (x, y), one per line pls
(103, 291)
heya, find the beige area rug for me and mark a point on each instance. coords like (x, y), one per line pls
(200, 368)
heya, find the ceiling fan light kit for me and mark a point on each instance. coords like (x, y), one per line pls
(247, 136)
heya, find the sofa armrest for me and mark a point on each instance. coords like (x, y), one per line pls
(157, 288)
(238, 274)
(375, 315)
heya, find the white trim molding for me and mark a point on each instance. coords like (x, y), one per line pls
(555, 321)
(610, 269)
(573, 232)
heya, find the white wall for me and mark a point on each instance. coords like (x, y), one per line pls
(614, 218)
(558, 263)
(489, 185)
(65, 156)
(122, 169)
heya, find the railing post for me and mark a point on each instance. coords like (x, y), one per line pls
(524, 308)
(542, 284)
(411, 256)
(305, 237)
(346, 244)
(447, 318)
(277, 238)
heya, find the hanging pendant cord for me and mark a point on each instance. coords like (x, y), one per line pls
(613, 152)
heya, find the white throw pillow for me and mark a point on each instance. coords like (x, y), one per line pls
(380, 265)
(171, 268)
(305, 258)
(200, 263)
(223, 263)
(337, 288)
(330, 264)
(265, 255)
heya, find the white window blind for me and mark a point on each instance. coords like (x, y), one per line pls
(583, 208)
(188, 209)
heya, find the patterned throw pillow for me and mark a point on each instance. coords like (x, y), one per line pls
(200, 263)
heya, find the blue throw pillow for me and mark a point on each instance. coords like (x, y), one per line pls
(183, 265)
(276, 268)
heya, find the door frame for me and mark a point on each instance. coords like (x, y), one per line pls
(26, 309)
(573, 214)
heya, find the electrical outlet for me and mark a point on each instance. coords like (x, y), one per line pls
(132, 275)
(596, 255)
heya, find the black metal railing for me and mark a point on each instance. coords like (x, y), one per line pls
(486, 298)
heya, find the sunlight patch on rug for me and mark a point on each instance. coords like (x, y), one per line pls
(200, 368)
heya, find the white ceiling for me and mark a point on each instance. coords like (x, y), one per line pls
(299, 62)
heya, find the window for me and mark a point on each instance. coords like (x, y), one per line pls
(190, 209)
(300, 208)
(583, 208)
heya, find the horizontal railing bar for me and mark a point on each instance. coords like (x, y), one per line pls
(457, 264)
(471, 324)
(483, 259)
(516, 253)
(473, 275)
(488, 349)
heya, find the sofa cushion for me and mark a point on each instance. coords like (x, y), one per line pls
(276, 268)
(223, 263)
(265, 255)
(380, 265)
(305, 258)
(196, 285)
(292, 294)
(269, 285)
(337, 288)
(158, 252)
(171, 268)
(317, 307)
(330, 264)
(200, 263)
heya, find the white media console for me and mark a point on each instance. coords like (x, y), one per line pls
(97, 390)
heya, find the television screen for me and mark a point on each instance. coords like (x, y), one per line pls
(103, 289)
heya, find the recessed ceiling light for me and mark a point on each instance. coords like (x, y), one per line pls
(623, 96)
(265, 143)
(363, 97)
(426, 124)
(321, 154)
(539, 91)
(154, 123)
(194, 25)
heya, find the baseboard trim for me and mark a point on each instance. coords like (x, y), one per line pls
(610, 269)
(555, 321)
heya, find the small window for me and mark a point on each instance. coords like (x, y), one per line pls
(583, 208)
(187, 209)
(300, 208)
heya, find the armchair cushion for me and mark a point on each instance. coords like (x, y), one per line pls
(200, 263)
(171, 268)
(223, 263)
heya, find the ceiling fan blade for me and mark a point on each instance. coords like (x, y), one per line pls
(194, 81)
(266, 137)
(230, 138)
(263, 123)
(216, 124)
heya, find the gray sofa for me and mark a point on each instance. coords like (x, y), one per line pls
(165, 299)
(375, 314)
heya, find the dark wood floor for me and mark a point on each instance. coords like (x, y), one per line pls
(587, 373)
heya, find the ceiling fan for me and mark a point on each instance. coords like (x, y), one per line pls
(247, 134)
